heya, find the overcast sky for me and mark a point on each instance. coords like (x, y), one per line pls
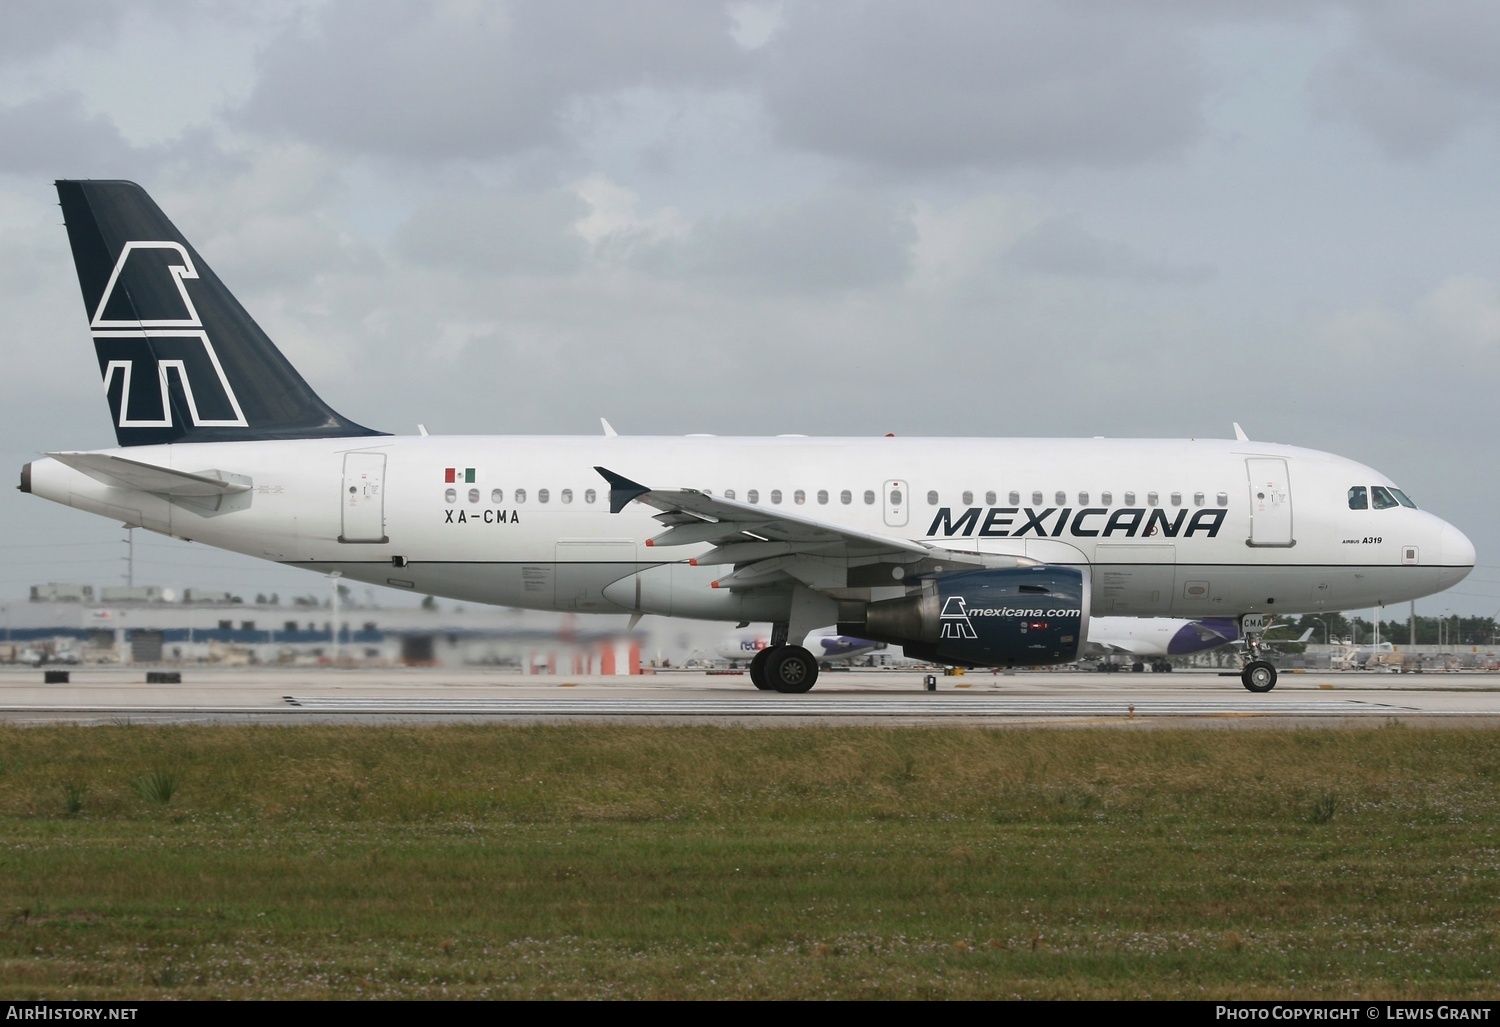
(1147, 218)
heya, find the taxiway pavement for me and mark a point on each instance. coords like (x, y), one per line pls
(1062, 698)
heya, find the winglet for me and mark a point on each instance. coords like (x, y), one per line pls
(609, 429)
(621, 489)
(1239, 433)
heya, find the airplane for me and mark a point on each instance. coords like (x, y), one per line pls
(826, 644)
(968, 552)
(1370, 655)
(1155, 639)
(1158, 638)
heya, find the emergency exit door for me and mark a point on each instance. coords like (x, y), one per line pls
(1270, 502)
(364, 498)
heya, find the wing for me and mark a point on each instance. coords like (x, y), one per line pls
(765, 545)
(1120, 647)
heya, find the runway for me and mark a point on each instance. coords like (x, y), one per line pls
(279, 695)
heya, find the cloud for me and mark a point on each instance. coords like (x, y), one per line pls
(29, 32)
(497, 233)
(425, 82)
(1456, 324)
(823, 243)
(1061, 246)
(1415, 76)
(983, 84)
(52, 136)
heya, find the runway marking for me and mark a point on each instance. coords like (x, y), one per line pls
(844, 705)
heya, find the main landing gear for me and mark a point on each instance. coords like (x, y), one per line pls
(784, 668)
(1258, 674)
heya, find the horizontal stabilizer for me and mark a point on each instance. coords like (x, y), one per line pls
(121, 473)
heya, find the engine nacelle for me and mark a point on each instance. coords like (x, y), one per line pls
(1018, 616)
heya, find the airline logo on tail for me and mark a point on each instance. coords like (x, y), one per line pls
(152, 346)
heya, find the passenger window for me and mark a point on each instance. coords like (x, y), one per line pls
(989, 499)
(1177, 499)
(869, 497)
(932, 499)
(1130, 499)
(450, 496)
(968, 499)
(846, 497)
(1357, 498)
(753, 495)
(729, 493)
(1106, 498)
(1061, 498)
(1197, 499)
(473, 495)
(497, 496)
(1083, 499)
(1222, 499)
(895, 497)
(542, 495)
(589, 495)
(799, 497)
(1036, 499)
(520, 495)
(776, 496)
(1015, 499)
(822, 497)
(1380, 499)
(567, 495)
(1151, 499)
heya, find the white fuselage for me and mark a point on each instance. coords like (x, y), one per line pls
(1188, 528)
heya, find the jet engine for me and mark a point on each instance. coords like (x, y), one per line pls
(1018, 616)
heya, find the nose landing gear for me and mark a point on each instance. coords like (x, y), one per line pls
(1258, 675)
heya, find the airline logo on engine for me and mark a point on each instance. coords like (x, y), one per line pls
(954, 621)
(152, 345)
(1089, 522)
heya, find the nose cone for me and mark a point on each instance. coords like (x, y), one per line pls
(1456, 556)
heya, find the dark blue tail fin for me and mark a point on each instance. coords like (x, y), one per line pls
(181, 360)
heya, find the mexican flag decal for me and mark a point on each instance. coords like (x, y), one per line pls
(459, 474)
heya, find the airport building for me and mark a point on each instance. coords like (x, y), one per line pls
(77, 624)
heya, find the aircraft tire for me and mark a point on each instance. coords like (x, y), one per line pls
(790, 669)
(1258, 676)
(758, 670)
(1137, 667)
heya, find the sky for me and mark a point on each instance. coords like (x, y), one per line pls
(1058, 218)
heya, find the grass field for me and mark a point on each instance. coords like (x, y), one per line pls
(588, 861)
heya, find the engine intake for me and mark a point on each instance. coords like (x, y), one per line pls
(1020, 616)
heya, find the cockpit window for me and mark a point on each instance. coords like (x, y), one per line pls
(1401, 498)
(1381, 498)
(1358, 500)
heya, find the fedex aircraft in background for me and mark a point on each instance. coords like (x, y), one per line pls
(826, 645)
(974, 552)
